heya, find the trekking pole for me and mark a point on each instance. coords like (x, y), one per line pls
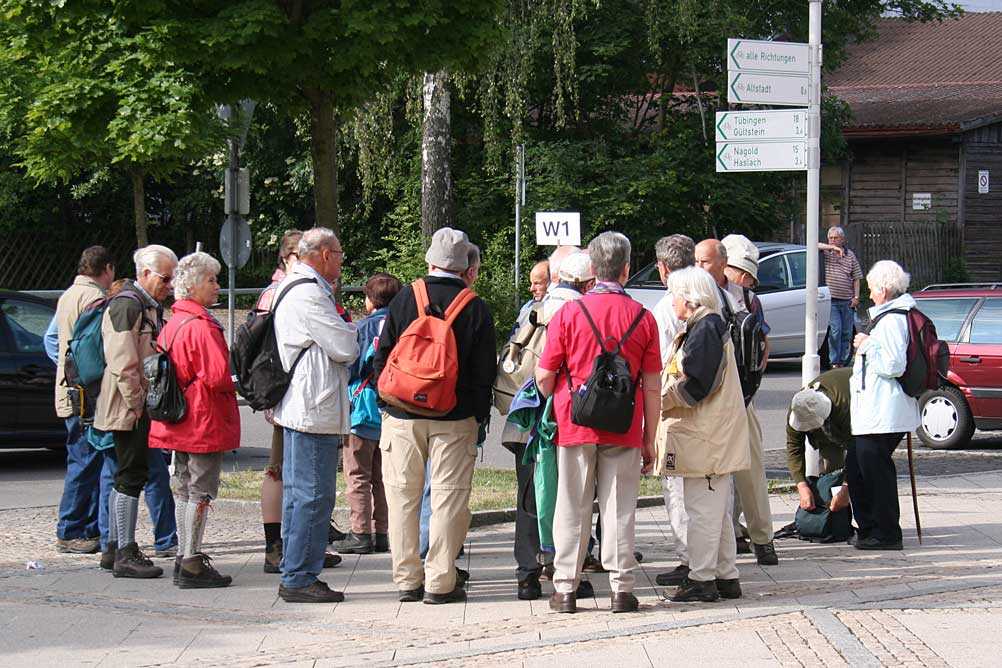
(911, 474)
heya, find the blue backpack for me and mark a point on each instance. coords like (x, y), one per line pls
(85, 356)
(362, 393)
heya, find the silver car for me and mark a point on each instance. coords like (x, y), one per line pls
(782, 276)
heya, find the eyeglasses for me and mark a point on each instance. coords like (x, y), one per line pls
(166, 279)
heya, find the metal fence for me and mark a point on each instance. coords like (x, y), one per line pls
(923, 249)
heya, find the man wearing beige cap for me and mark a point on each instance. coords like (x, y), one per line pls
(820, 413)
(734, 259)
(410, 440)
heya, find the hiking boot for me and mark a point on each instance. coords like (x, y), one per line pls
(462, 577)
(381, 542)
(765, 555)
(334, 534)
(744, 545)
(563, 603)
(177, 568)
(410, 595)
(872, 543)
(273, 558)
(729, 588)
(548, 571)
(168, 553)
(131, 563)
(529, 589)
(674, 577)
(691, 590)
(584, 590)
(318, 592)
(78, 545)
(355, 544)
(624, 601)
(331, 560)
(108, 556)
(455, 596)
(592, 565)
(196, 572)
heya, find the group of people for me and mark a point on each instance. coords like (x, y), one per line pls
(409, 471)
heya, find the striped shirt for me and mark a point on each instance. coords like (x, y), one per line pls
(840, 272)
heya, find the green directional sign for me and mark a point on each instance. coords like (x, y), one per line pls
(765, 125)
(751, 88)
(748, 55)
(776, 156)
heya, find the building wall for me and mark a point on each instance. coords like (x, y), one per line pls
(982, 212)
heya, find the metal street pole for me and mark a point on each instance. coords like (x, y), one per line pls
(519, 201)
(811, 363)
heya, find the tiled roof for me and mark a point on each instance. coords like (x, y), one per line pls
(938, 76)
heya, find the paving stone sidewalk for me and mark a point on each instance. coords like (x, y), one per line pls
(937, 604)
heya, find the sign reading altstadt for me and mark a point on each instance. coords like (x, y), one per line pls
(752, 88)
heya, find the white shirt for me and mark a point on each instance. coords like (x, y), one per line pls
(668, 324)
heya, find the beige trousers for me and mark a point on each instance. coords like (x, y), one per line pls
(712, 552)
(751, 489)
(407, 445)
(673, 489)
(616, 471)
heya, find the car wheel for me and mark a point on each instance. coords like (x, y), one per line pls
(946, 420)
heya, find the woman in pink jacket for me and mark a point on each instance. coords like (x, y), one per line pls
(211, 425)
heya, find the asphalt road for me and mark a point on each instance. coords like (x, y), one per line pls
(34, 478)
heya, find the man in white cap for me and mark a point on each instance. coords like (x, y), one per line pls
(820, 413)
(735, 256)
(410, 440)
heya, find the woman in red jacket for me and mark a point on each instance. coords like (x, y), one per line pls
(211, 424)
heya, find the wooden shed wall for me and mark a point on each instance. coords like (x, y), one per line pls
(982, 212)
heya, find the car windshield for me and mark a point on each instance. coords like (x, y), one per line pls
(948, 315)
(648, 277)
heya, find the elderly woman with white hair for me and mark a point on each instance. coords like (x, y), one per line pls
(703, 434)
(882, 413)
(194, 340)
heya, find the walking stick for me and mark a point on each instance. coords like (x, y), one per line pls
(911, 474)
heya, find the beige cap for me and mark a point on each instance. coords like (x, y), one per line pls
(576, 268)
(809, 410)
(449, 250)
(741, 253)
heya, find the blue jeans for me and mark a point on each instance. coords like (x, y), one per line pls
(78, 509)
(309, 467)
(840, 331)
(425, 517)
(159, 499)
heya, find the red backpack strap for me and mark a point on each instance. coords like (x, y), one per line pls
(421, 297)
(464, 297)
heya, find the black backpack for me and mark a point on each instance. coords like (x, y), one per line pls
(927, 357)
(821, 525)
(607, 398)
(255, 365)
(746, 333)
(165, 400)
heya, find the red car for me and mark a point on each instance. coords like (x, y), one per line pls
(968, 316)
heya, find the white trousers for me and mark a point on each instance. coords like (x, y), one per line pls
(674, 492)
(616, 472)
(751, 489)
(710, 536)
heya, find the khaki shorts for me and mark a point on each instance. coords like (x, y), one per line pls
(196, 476)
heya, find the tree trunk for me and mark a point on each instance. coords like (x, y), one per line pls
(139, 207)
(323, 147)
(436, 164)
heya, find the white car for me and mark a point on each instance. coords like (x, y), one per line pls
(782, 276)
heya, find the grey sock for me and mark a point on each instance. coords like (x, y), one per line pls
(195, 520)
(180, 513)
(112, 517)
(126, 511)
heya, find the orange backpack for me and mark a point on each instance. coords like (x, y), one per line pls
(422, 369)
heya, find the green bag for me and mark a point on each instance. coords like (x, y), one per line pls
(820, 525)
(543, 452)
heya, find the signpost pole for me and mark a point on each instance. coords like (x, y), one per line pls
(519, 201)
(233, 196)
(811, 364)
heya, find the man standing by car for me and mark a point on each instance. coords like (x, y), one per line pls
(750, 486)
(77, 529)
(317, 345)
(129, 330)
(843, 276)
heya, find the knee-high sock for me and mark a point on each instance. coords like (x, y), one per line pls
(113, 517)
(195, 518)
(126, 511)
(180, 517)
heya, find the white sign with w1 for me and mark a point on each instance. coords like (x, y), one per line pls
(558, 228)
